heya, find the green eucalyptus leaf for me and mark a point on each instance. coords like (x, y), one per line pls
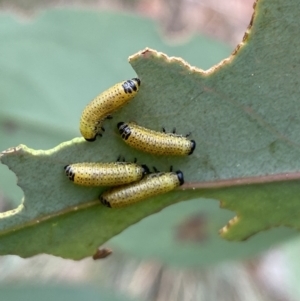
(243, 114)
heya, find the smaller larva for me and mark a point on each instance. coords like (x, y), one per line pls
(103, 105)
(105, 174)
(157, 143)
(151, 185)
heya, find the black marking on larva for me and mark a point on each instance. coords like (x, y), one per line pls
(104, 202)
(92, 139)
(137, 80)
(119, 125)
(124, 130)
(180, 177)
(67, 169)
(129, 86)
(69, 172)
(193, 142)
(135, 88)
(145, 169)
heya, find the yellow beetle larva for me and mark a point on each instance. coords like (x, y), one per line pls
(104, 104)
(151, 185)
(105, 174)
(157, 143)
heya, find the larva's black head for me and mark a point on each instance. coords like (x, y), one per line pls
(145, 169)
(120, 124)
(137, 80)
(193, 146)
(91, 139)
(124, 130)
(180, 177)
(104, 201)
(131, 85)
(69, 172)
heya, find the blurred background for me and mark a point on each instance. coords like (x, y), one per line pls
(176, 20)
(55, 56)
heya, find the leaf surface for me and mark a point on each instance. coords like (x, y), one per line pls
(243, 114)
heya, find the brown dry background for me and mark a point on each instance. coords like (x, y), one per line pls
(267, 277)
